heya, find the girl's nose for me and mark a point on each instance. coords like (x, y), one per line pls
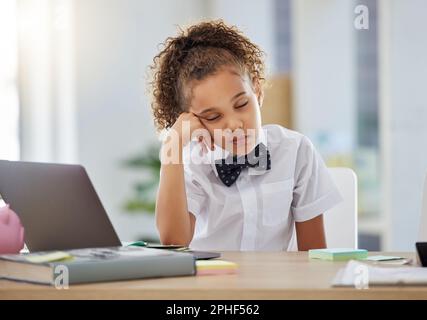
(234, 124)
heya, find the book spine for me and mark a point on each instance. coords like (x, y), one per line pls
(128, 269)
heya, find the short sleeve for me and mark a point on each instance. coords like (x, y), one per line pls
(314, 190)
(195, 194)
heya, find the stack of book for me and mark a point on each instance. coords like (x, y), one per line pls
(96, 265)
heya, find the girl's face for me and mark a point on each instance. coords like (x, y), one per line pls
(228, 107)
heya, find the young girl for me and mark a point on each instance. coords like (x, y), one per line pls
(230, 183)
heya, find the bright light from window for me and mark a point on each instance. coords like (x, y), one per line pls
(9, 105)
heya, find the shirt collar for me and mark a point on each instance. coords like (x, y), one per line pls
(220, 153)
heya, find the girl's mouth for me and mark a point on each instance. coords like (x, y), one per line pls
(239, 140)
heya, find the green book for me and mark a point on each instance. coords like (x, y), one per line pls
(96, 265)
(338, 254)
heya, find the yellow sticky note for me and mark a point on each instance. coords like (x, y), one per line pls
(49, 257)
(215, 267)
(215, 264)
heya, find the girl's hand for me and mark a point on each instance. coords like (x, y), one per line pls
(11, 231)
(189, 126)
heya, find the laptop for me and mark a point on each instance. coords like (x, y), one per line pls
(59, 207)
(57, 204)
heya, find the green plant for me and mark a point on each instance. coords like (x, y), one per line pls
(144, 191)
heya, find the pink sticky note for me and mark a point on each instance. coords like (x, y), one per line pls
(11, 231)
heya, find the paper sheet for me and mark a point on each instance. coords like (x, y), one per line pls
(355, 273)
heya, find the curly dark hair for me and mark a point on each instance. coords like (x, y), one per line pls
(199, 51)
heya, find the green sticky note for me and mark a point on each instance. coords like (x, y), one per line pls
(338, 254)
(48, 257)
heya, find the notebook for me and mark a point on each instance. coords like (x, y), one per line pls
(198, 255)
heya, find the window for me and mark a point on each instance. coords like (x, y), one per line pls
(283, 36)
(367, 153)
(9, 105)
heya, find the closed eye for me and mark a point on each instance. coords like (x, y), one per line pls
(218, 116)
(242, 105)
(212, 118)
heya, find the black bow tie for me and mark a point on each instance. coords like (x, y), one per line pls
(230, 168)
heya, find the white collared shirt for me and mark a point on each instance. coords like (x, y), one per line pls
(259, 211)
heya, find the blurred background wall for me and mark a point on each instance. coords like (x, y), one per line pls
(72, 90)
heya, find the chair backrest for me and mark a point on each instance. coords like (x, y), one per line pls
(422, 236)
(341, 221)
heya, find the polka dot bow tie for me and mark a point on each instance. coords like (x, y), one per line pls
(230, 168)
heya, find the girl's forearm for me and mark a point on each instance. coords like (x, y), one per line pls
(172, 216)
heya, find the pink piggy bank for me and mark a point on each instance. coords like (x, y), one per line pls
(11, 231)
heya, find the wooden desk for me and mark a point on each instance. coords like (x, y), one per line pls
(262, 275)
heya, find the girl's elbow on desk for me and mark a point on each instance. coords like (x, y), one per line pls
(169, 235)
(171, 240)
